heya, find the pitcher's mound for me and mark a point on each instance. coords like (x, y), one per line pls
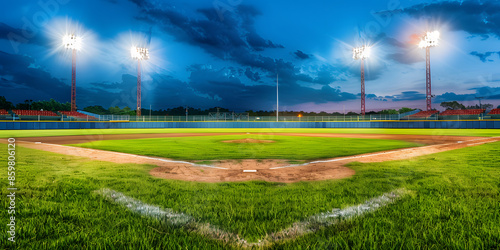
(248, 140)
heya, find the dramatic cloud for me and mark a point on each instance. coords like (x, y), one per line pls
(20, 36)
(233, 38)
(407, 96)
(484, 56)
(20, 79)
(484, 92)
(475, 17)
(254, 76)
(229, 90)
(301, 55)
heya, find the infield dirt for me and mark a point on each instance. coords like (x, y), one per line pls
(267, 170)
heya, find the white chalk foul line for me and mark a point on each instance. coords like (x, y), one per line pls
(132, 155)
(310, 225)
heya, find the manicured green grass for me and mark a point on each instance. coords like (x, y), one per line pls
(62, 132)
(455, 205)
(213, 147)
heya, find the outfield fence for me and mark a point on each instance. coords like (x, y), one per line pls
(231, 118)
(468, 124)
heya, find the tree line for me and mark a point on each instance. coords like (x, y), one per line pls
(53, 105)
(50, 105)
(454, 105)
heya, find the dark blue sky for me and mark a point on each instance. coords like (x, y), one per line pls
(227, 52)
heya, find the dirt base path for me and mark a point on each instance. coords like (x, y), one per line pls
(266, 170)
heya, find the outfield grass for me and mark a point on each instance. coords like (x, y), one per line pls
(63, 132)
(454, 205)
(213, 147)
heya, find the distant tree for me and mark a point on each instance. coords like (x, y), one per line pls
(4, 104)
(352, 113)
(487, 106)
(251, 113)
(99, 110)
(388, 112)
(498, 107)
(115, 110)
(405, 110)
(483, 106)
(26, 105)
(51, 105)
(118, 111)
(452, 105)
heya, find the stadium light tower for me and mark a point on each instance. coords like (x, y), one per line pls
(430, 39)
(139, 54)
(361, 53)
(73, 43)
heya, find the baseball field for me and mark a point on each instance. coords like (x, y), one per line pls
(256, 188)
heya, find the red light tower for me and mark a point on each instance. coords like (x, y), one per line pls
(139, 54)
(431, 39)
(362, 53)
(74, 43)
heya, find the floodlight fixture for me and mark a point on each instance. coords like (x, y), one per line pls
(139, 53)
(361, 53)
(72, 41)
(430, 39)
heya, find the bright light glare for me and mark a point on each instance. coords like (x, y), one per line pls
(361, 52)
(139, 53)
(72, 42)
(431, 39)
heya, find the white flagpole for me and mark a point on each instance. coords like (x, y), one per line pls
(277, 98)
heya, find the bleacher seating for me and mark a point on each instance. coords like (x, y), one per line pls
(3, 112)
(77, 115)
(424, 114)
(494, 112)
(33, 113)
(463, 112)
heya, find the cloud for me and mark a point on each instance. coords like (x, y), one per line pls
(226, 39)
(488, 93)
(232, 39)
(15, 35)
(254, 76)
(484, 56)
(407, 96)
(301, 55)
(20, 82)
(206, 88)
(475, 17)
(27, 82)
(229, 91)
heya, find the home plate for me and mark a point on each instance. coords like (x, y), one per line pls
(38, 142)
(249, 171)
